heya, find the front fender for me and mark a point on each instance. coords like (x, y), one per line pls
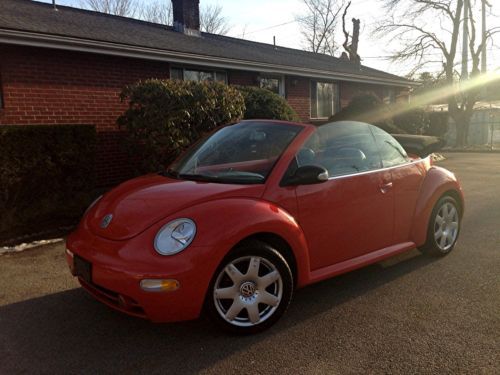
(437, 182)
(223, 223)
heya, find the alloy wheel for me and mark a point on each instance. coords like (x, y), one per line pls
(446, 226)
(247, 291)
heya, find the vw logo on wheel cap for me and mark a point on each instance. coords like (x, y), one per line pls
(247, 289)
(106, 220)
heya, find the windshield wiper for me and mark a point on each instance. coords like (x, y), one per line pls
(197, 177)
(169, 173)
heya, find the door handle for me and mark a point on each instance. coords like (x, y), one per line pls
(385, 187)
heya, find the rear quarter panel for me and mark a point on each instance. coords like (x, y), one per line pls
(437, 182)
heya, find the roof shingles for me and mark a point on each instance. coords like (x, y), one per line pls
(40, 18)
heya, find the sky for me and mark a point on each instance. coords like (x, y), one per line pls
(261, 20)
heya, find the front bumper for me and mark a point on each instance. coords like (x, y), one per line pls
(117, 268)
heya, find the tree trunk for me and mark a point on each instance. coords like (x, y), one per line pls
(461, 140)
(462, 123)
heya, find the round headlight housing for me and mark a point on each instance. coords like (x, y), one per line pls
(175, 236)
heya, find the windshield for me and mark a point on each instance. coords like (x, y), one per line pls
(244, 153)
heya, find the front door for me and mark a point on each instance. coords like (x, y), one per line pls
(353, 213)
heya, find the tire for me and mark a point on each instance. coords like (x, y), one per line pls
(444, 227)
(250, 290)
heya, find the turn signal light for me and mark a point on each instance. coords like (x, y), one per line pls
(159, 285)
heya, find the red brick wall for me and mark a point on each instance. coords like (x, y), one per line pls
(42, 86)
(298, 95)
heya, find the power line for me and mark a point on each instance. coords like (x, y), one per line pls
(270, 27)
(292, 21)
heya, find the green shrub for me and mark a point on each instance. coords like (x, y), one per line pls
(164, 117)
(370, 109)
(414, 121)
(264, 104)
(46, 176)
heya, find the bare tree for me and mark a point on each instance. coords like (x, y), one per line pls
(212, 20)
(159, 11)
(423, 42)
(124, 8)
(351, 48)
(319, 24)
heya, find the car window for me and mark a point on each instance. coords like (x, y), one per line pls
(391, 152)
(342, 148)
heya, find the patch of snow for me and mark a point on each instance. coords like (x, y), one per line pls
(437, 157)
(26, 246)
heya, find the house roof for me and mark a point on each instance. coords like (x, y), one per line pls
(28, 22)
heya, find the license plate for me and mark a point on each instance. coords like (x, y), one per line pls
(82, 268)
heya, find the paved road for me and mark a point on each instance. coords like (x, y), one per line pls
(412, 314)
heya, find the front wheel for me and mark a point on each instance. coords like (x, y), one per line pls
(251, 289)
(444, 227)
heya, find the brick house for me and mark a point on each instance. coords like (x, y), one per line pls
(68, 66)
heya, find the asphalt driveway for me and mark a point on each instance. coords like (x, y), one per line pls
(411, 314)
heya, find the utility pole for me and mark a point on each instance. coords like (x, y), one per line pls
(465, 44)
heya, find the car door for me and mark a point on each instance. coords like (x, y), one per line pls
(352, 213)
(407, 176)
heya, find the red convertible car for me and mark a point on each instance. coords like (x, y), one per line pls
(256, 210)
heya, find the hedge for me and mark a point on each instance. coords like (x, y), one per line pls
(263, 104)
(46, 176)
(166, 116)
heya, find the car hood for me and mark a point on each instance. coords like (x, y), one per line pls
(139, 203)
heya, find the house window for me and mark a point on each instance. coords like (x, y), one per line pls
(272, 83)
(324, 99)
(189, 74)
(389, 95)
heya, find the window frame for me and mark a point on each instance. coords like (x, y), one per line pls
(198, 69)
(281, 82)
(389, 95)
(335, 101)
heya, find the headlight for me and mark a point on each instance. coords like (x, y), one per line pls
(175, 236)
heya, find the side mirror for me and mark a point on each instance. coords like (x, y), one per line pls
(308, 175)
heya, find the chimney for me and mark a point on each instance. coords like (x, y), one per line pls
(187, 16)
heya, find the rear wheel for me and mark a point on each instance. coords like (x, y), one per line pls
(251, 289)
(444, 227)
